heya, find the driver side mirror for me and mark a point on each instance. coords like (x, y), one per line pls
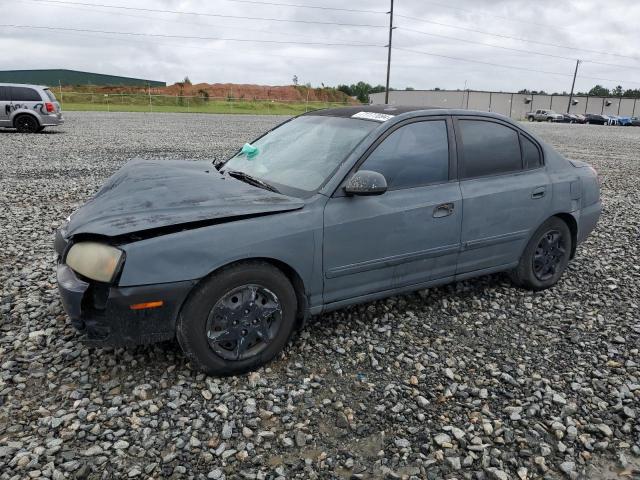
(366, 182)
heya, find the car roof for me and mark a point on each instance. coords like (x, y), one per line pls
(27, 85)
(382, 113)
(380, 109)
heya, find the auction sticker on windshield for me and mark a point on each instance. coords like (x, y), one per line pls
(378, 117)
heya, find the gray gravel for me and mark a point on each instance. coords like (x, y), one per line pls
(474, 380)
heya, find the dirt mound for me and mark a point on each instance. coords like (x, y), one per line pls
(236, 91)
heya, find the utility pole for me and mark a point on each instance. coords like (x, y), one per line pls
(386, 92)
(575, 74)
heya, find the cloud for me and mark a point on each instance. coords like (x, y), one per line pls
(589, 25)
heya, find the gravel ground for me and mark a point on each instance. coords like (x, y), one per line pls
(475, 380)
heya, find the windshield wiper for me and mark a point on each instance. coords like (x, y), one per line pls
(256, 182)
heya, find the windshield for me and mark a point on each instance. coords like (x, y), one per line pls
(302, 153)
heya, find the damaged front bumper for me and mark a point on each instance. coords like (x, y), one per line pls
(104, 315)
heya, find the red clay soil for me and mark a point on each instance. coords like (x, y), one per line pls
(238, 91)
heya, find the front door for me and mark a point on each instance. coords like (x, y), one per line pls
(505, 189)
(408, 235)
(5, 106)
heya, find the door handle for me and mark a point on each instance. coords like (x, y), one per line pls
(538, 192)
(443, 210)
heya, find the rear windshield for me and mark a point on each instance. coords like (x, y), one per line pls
(50, 94)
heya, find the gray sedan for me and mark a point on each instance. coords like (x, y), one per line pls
(329, 209)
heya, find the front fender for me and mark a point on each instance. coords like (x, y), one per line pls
(293, 238)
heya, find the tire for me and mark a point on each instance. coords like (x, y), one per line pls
(531, 119)
(543, 263)
(549, 120)
(26, 124)
(218, 337)
(40, 128)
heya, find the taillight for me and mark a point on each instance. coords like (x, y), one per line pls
(50, 107)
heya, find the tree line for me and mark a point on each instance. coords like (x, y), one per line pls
(362, 90)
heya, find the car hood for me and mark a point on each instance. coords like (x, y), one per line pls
(146, 195)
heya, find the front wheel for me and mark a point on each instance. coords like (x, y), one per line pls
(546, 256)
(238, 319)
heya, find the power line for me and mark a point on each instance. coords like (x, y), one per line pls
(507, 66)
(526, 40)
(315, 7)
(199, 47)
(509, 19)
(189, 37)
(205, 14)
(528, 52)
(172, 20)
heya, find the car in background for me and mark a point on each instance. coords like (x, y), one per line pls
(230, 258)
(635, 121)
(596, 119)
(28, 108)
(579, 118)
(612, 120)
(570, 118)
(625, 121)
(542, 115)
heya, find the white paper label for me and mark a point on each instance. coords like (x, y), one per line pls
(379, 117)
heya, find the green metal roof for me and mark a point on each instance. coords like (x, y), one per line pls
(72, 77)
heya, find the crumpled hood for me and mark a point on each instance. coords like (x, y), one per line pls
(144, 195)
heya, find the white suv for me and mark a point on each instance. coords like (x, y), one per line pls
(28, 108)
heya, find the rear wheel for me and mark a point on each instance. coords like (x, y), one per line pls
(238, 319)
(26, 124)
(40, 128)
(546, 256)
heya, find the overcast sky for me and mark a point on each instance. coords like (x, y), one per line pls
(608, 30)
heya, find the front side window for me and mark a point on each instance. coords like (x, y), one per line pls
(24, 94)
(489, 148)
(302, 153)
(413, 155)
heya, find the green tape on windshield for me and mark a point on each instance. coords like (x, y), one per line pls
(249, 150)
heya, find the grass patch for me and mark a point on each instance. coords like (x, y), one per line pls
(214, 106)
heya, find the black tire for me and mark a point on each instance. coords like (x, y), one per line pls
(26, 124)
(544, 261)
(196, 326)
(531, 118)
(40, 128)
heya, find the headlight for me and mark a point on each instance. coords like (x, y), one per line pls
(96, 261)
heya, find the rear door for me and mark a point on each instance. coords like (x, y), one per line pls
(27, 98)
(5, 106)
(408, 235)
(505, 190)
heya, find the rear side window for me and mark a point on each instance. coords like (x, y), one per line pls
(50, 94)
(413, 155)
(24, 94)
(4, 94)
(489, 149)
(530, 153)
